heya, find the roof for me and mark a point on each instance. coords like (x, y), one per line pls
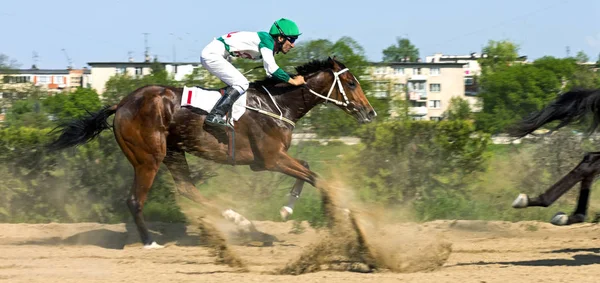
(138, 64)
(436, 64)
(40, 71)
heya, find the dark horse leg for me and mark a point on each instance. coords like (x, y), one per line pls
(293, 167)
(295, 192)
(177, 164)
(145, 152)
(585, 172)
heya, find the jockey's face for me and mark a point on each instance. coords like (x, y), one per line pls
(286, 46)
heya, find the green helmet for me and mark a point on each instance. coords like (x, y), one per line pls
(285, 26)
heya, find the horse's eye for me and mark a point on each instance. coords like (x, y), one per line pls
(352, 84)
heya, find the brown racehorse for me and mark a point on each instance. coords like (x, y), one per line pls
(151, 127)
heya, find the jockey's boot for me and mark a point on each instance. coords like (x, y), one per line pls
(216, 117)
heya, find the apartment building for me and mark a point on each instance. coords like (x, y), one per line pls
(50, 79)
(101, 72)
(428, 86)
(53, 80)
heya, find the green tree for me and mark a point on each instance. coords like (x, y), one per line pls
(403, 49)
(68, 105)
(459, 109)
(581, 57)
(513, 92)
(6, 63)
(498, 55)
(404, 161)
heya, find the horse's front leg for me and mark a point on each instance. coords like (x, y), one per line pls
(298, 169)
(295, 192)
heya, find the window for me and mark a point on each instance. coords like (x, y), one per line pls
(469, 80)
(435, 118)
(43, 79)
(434, 71)
(417, 103)
(435, 87)
(120, 70)
(380, 85)
(380, 71)
(16, 79)
(399, 87)
(380, 89)
(59, 79)
(435, 104)
(416, 85)
(138, 71)
(416, 71)
(398, 71)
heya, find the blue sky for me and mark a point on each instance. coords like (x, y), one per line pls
(96, 31)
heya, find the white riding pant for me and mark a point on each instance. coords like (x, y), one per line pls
(214, 59)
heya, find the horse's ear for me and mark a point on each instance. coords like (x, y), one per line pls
(332, 61)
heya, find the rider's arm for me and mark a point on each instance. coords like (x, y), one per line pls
(271, 66)
(274, 70)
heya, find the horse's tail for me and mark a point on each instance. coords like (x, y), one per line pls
(572, 106)
(82, 130)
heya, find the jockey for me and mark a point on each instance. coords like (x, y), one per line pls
(251, 45)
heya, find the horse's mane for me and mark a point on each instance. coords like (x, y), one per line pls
(306, 69)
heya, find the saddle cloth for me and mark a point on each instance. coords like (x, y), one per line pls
(206, 99)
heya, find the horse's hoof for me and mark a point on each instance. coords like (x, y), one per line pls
(577, 218)
(153, 246)
(285, 212)
(560, 219)
(522, 201)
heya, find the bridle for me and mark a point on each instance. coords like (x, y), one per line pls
(336, 81)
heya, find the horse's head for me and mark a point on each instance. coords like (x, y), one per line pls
(335, 83)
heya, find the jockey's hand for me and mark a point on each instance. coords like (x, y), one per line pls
(297, 80)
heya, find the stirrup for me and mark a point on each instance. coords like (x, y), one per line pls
(217, 120)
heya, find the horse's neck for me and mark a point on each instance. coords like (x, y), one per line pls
(294, 104)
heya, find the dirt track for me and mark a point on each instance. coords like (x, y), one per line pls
(481, 252)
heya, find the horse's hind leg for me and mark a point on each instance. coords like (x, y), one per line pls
(145, 151)
(144, 177)
(580, 213)
(585, 172)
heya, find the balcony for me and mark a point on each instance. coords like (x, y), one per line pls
(417, 95)
(417, 78)
(380, 94)
(417, 111)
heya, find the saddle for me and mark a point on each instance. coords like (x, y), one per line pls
(201, 101)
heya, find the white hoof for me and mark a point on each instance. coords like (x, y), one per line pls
(239, 220)
(522, 201)
(560, 219)
(153, 246)
(285, 212)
